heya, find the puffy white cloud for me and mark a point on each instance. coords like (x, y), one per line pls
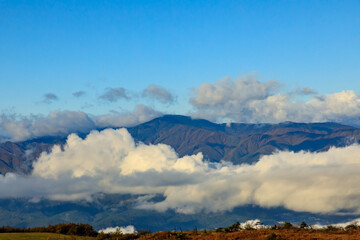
(158, 93)
(254, 224)
(249, 100)
(339, 107)
(230, 93)
(111, 162)
(124, 230)
(314, 182)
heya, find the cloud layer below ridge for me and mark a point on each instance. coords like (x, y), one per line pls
(111, 162)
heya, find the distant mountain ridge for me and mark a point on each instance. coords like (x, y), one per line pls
(238, 143)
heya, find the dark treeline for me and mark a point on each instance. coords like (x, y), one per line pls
(62, 228)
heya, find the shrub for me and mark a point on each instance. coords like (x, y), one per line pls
(143, 232)
(274, 227)
(287, 225)
(332, 228)
(233, 228)
(272, 236)
(248, 227)
(303, 225)
(352, 226)
(220, 229)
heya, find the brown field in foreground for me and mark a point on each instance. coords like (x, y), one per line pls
(263, 234)
(41, 236)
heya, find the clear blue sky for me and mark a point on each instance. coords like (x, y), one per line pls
(61, 47)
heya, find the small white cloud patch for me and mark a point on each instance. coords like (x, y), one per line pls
(124, 230)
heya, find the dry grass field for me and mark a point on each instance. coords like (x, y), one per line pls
(262, 234)
(266, 234)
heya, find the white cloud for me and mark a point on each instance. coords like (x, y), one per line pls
(339, 225)
(339, 107)
(230, 93)
(248, 100)
(111, 162)
(140, 114)
(124, 230)
(18, 128)
(254, 223)
(62, 123)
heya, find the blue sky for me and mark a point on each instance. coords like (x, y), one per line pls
(62, 47)
(75, 66)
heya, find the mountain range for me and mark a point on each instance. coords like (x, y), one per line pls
(236, 142)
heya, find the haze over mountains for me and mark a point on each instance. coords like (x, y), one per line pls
(236, 142)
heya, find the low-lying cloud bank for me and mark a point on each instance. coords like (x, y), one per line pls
(19, 128)
(111, 162)
(338, 225)
(248, 100)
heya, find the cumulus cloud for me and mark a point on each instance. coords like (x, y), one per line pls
(115, 94)
(111, 162)
(50, 97)
(227, 92)
(339, 107)
(158, 93)
(20, 128)
(248, 100)
(79, 94)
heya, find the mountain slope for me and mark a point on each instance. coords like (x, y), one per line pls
(241, 143)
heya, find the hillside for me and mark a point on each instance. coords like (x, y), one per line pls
(241, 143)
